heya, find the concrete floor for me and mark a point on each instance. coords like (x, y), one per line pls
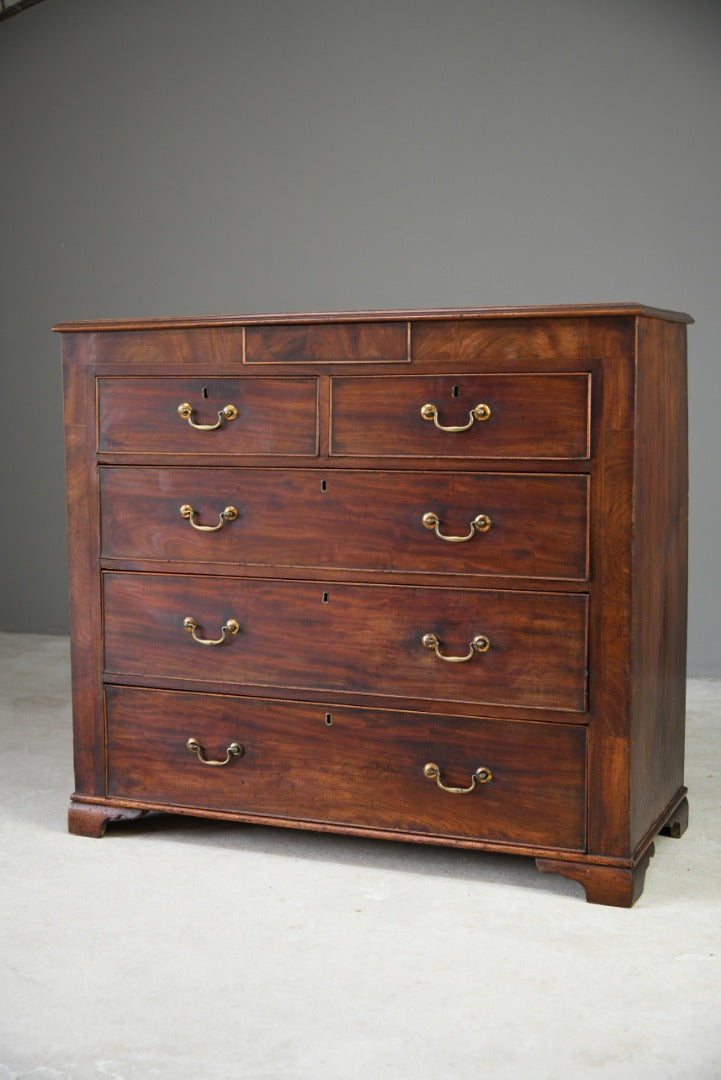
(188, 950)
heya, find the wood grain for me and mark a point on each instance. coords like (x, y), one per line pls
(552, 311)
(365, 767)
(611, 597)
(363, 639)
(515, 341)
(580, 583)
(89, 819)
(84, 594)
(660, 553)
(369, 342)
(348, 519)
(274, 416)
(532, 416)
(614, 886)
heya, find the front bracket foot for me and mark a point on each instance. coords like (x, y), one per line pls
(91, 819)
(615, 886)
(678, 822)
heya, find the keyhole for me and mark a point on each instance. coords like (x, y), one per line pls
(324, 485)
(454, 391)
(204, 391)
(324, 598)
(328, 719)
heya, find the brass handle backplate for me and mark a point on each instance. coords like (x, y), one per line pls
(234, 750)
(231, 627)
(482, 775)
(228, 412)
(229, 514)
(478, 412)
(480, 643)
(480, 523)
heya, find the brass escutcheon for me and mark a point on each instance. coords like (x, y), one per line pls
(228, 412)
(482, 775)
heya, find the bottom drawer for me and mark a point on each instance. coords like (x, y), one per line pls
(347, 766)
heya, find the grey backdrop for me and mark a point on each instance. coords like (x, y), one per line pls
(170, 157)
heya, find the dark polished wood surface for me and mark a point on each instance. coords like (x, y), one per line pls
(660, 554)
(369, 342)
(531, 416)
(347, 519)
(579, 582)
(351, 639)
(273, 416)
(553, 311)
(362, 767)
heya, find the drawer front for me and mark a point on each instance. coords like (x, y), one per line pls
(246, 416)
(338, 343)
(517, 341)
(351, 638)
(536, 525)
(329, 764)
(529, 416)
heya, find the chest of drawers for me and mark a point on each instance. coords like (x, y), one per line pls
(411, 575)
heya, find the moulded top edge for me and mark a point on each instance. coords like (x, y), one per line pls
(539, 311)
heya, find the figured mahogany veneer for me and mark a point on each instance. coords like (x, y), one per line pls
(466, 637)
(273, 417)
(340, 766)
(340, 520)
(350, 639)
(531, 416)
(369, 342)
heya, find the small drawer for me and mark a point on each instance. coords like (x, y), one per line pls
(238, 417)
(529, 525)
(519, 648)
(328, 343)
(461, 416)
(357, 767)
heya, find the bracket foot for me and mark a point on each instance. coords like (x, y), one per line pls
(611, 885)
(678, 822)
(90, 819)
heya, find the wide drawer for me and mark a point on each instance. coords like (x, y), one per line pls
(364, 639)
(208, 416)
(502, 416)
(359, 767)
(530, 525)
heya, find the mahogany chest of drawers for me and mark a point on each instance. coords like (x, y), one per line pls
(411, 575)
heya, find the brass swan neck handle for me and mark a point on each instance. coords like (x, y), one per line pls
(482, 775)
(478, 412)
(229, 514)
(233, 750)
(480, 643)
(231, 627)
(228, 412)
(481, 523)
